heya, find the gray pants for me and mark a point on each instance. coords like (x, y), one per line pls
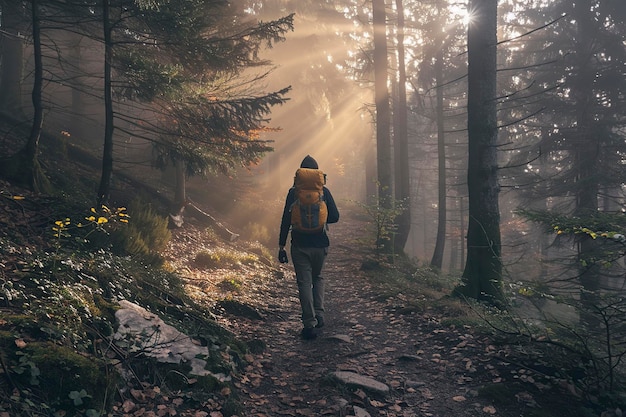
(308, 264)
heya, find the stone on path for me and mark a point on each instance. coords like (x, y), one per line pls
(340, 338)
(360, 412)
(361, 381)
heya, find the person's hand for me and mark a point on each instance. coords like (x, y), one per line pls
(282, 256)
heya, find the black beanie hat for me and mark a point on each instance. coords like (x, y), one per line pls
(309, 162)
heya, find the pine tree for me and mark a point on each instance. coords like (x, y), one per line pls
(482, 277)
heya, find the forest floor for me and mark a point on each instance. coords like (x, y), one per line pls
(430, 367)
(408, 353)
(426, 361)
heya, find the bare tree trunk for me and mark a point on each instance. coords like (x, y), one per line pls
(454, 241)
(440, 244)
(401, 142)
(586, 156)
(482, 276)
(104, 190)
(23, 167)
(12, 59)
(370, 175)
(383, 111)
(32, 146)
(463, 236)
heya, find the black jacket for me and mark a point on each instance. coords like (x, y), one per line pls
(306, 240)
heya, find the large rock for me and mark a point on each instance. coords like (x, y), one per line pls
(360, 381)
(142, 331)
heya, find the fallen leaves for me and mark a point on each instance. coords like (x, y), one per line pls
(431, 369)
(150, 402)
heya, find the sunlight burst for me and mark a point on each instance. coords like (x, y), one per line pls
(462, 12)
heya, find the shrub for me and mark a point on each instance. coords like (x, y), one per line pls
(206, 259)
(231, 284)
(147, 232)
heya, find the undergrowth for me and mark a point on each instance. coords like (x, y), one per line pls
(59, 290)
(573, 361)
(587, 361)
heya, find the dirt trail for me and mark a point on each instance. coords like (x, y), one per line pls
(430, 370)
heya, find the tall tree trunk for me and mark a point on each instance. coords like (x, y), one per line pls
(104, 191)
(32, 146)
(543, 238)
(437, 259)
(586, 154)
(12, 59)
(370, 174)
(23, 168)
(462, 226)
(482, 276)
(455, 237)
(383, 111)
(401, 142)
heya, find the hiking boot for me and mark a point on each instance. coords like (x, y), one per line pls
(309, 333)
(320, 322)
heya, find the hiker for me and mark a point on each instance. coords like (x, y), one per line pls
(307, 220)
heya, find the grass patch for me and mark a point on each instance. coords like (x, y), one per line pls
(223, 258)
(147, 232)
(231, 284)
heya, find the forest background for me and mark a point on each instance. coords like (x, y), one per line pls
(454, 124)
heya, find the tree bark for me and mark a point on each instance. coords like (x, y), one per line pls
(383, 111)
(482, 276)
(12, 59)
(586, 157)
(104, 190)
(442, 209)
(401, 142)
(32, 146)
(370, 174)
(23, 168)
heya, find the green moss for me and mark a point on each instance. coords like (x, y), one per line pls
(19, 321)
(23, 325)
(208, 383)
(62, 373)
(106, 308)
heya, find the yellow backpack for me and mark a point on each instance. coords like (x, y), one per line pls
(309, 212)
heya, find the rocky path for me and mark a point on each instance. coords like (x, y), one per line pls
(369, 360)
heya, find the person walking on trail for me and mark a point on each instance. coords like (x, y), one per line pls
(309, 207)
